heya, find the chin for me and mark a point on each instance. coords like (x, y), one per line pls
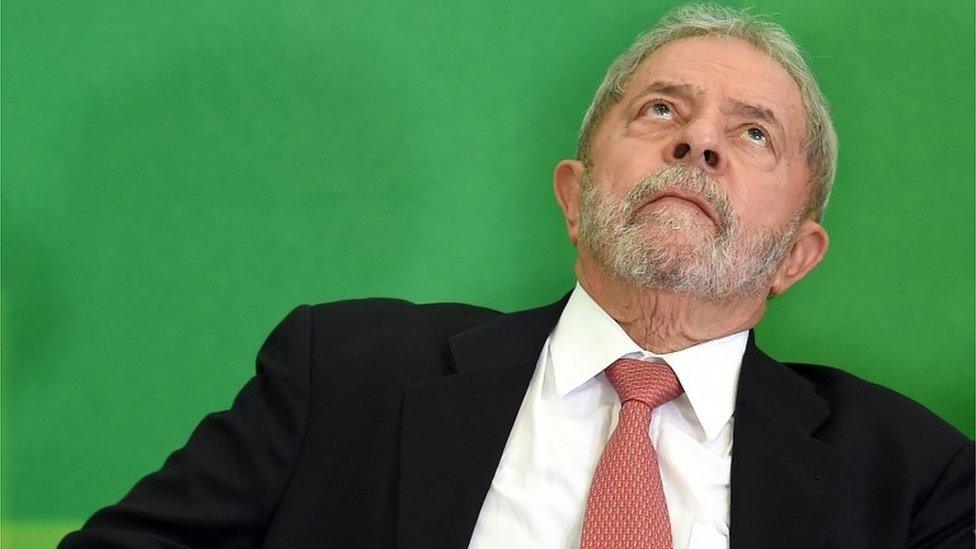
(674, 227)
(674, 242)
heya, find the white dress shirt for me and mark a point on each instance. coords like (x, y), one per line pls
(538, 496)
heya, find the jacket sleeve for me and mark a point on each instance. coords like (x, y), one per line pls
(220, 489)
(946, 517)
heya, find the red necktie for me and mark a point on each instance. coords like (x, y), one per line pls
(626, 507)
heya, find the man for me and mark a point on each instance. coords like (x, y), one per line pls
(635, 412)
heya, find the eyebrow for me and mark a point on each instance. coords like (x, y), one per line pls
(686, 91)
(756, 112)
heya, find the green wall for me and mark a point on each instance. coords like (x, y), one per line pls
(177, 176)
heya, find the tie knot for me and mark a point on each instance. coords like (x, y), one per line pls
(652, 383)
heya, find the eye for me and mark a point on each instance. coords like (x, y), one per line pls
(660, 110)
(757, 135)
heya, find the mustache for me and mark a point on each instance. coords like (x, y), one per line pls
(679, 177)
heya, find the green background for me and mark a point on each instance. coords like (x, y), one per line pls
(178, 176)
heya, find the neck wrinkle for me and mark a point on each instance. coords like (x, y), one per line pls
(663, 322)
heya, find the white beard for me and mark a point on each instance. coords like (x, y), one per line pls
(671, 249)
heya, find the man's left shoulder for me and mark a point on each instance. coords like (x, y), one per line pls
(903, 464)
(871, 413)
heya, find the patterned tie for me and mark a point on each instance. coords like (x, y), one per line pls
(626, 507)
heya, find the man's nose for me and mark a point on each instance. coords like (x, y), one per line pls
(699, 144)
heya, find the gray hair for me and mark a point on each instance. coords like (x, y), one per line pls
(820, 143)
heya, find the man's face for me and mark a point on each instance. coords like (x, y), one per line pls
(697, 174)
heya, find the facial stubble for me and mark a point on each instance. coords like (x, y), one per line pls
(675, 249)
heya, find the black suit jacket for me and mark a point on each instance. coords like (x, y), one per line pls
(380, 423)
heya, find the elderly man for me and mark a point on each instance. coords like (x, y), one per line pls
(635, 412)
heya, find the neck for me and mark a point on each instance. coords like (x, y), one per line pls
(661, 321)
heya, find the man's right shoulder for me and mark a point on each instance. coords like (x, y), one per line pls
(368, 315)
(397, 340)
(383, 311)
(383, 318)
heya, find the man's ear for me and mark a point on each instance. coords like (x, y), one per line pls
(566, 180)
(808, 250)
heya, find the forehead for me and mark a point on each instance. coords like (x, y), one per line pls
(728, 69)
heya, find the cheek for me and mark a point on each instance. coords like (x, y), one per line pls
(798, 186)
(764, 201)
(623, 153)
(623, 166)
(754, 158)
(772, 196)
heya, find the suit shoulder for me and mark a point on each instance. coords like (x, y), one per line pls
(380, 322)
(876, 409)
(392, 329)
(398, 305)
(380, 312)
(392, 342)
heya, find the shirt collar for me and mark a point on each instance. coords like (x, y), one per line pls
(586, 340)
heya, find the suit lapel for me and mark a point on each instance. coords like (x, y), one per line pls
(454, 428)
(784, 482)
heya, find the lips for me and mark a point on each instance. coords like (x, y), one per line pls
(692, 198)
